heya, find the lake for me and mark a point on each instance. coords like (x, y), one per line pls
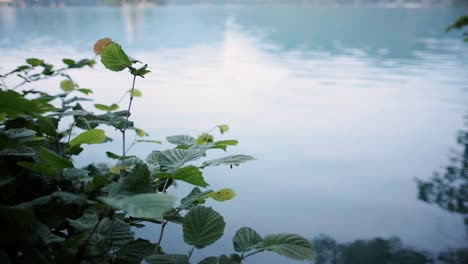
(343, 107)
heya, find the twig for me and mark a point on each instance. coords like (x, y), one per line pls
(126, 120)
(253, 253)
(191, 252)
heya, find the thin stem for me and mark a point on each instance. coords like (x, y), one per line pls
(248, 255)
(126, 120)
(163, 225)
(165, 185)
(190, 252)
(83, 246)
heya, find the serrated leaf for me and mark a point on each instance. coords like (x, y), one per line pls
(246, 239)
(84, 223)
(193, 198)
(53, 160)
(228, 160)
(289, 245)
(222, 195)
(136, 93)
(202, 226)
(168, 259)
(114, 58)
(135, 251)
(137, 181)
(181, 140)
(92, 136)
(147, 205)
(190, 174)
(223, 128)
(67, 85)
(173, 159)
(115, 231)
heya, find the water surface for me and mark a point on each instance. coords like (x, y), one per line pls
(343, 107)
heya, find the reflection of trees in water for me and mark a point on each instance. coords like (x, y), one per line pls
(380, 251)
(449, 189)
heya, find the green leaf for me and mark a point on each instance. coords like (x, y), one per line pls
(153, 157)
(92, 136)
(168, 259)
(460, 23)
(53, 160)
(137, 93)
(2, 116)
(173, 159)
(67, 85)
(190, 174)
(223, 128)
(85, 91)
(5, 180)
(135, 251)
(142, 71)
(115, 231)
(181, 140)
(149, 141)
(246, 239)
(20, 134)
(141, 132)
(39, 168)
(20, 150)
(69, 62)
(44, 234)
(202, 226)
(228, 160)
(85, 223)
(147, 205)
(34, 62)
(289, 245)
(114, 58)
(230, 142)
(205, 138)
(108, 108)
(13, 104)
(232, 259)
(137, 181)
(112, 155)
(222, 195)
(194, 198)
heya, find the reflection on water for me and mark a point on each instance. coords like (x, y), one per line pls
(343, 107)
(380, 250)
(450, 189)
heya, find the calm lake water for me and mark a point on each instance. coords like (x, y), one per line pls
(343, 107)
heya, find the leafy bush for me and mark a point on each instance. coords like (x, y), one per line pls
(53, 212)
